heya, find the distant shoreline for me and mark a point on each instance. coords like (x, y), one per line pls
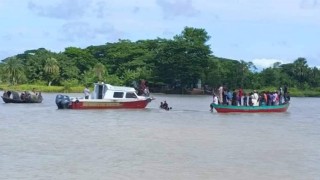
(79, 89)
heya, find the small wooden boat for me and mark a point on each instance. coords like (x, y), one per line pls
(105, 96)
(24, 97)
(250, 109)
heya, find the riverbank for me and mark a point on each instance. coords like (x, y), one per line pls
(294, 92)
(43, 88)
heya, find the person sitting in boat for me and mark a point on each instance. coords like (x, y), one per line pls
(5, 94)
(22, 96)
(215, 101)
(33, 92)
(8, 94)
(28, 95)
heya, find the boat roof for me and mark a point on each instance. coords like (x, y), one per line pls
(118, 88)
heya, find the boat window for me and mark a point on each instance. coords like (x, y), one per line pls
(118, 94)
(130, 95)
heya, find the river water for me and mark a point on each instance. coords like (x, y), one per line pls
(189, 142)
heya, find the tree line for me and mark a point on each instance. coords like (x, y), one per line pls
(175, 63)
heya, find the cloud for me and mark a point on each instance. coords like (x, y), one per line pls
(282, 43)
(75, 31)
(266, 11)
(136, 9)
(70, 9)
(7, 37)
(108, 31)
(177, 8)
(263, 63)
(309, 4)
(100, 9)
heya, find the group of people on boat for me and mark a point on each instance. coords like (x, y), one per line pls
(238, 97)
(25, 96)
(143, 89)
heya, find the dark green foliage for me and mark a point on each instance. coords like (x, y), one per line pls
(173, 63)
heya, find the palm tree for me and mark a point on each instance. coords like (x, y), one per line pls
(13, 70)
(51, 68)
(300, 69)
(99, 70)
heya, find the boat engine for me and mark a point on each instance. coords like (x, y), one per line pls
(62, 101)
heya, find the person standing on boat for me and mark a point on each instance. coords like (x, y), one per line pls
(280, 95)
(240, 96)
(234, 99)
(285, 92)
(220, 94)
(255, 98)
(86, 92)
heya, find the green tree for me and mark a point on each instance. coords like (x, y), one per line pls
(51, 69)
(100, 71)
(301, 70)
(82, 58)
(183, 59)
(13, 70)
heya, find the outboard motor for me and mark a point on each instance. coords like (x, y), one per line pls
(62, 101)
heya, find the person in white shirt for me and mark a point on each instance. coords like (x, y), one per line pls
(86, 92)
(214, 102)
(255, 98)
(220, 94)
(215, 99)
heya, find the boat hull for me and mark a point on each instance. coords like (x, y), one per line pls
(251, 109)
(65, 102)
(108, 105)
(9, 100)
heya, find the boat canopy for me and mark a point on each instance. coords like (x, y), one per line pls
(100, 90)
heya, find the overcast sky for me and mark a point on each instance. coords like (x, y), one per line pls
(261, 31)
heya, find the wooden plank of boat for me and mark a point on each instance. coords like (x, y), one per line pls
(250, 109)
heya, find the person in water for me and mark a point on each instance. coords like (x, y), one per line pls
(161, 105)
(164, 105)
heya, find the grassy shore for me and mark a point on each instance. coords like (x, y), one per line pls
(43, 88)
(294, 92)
